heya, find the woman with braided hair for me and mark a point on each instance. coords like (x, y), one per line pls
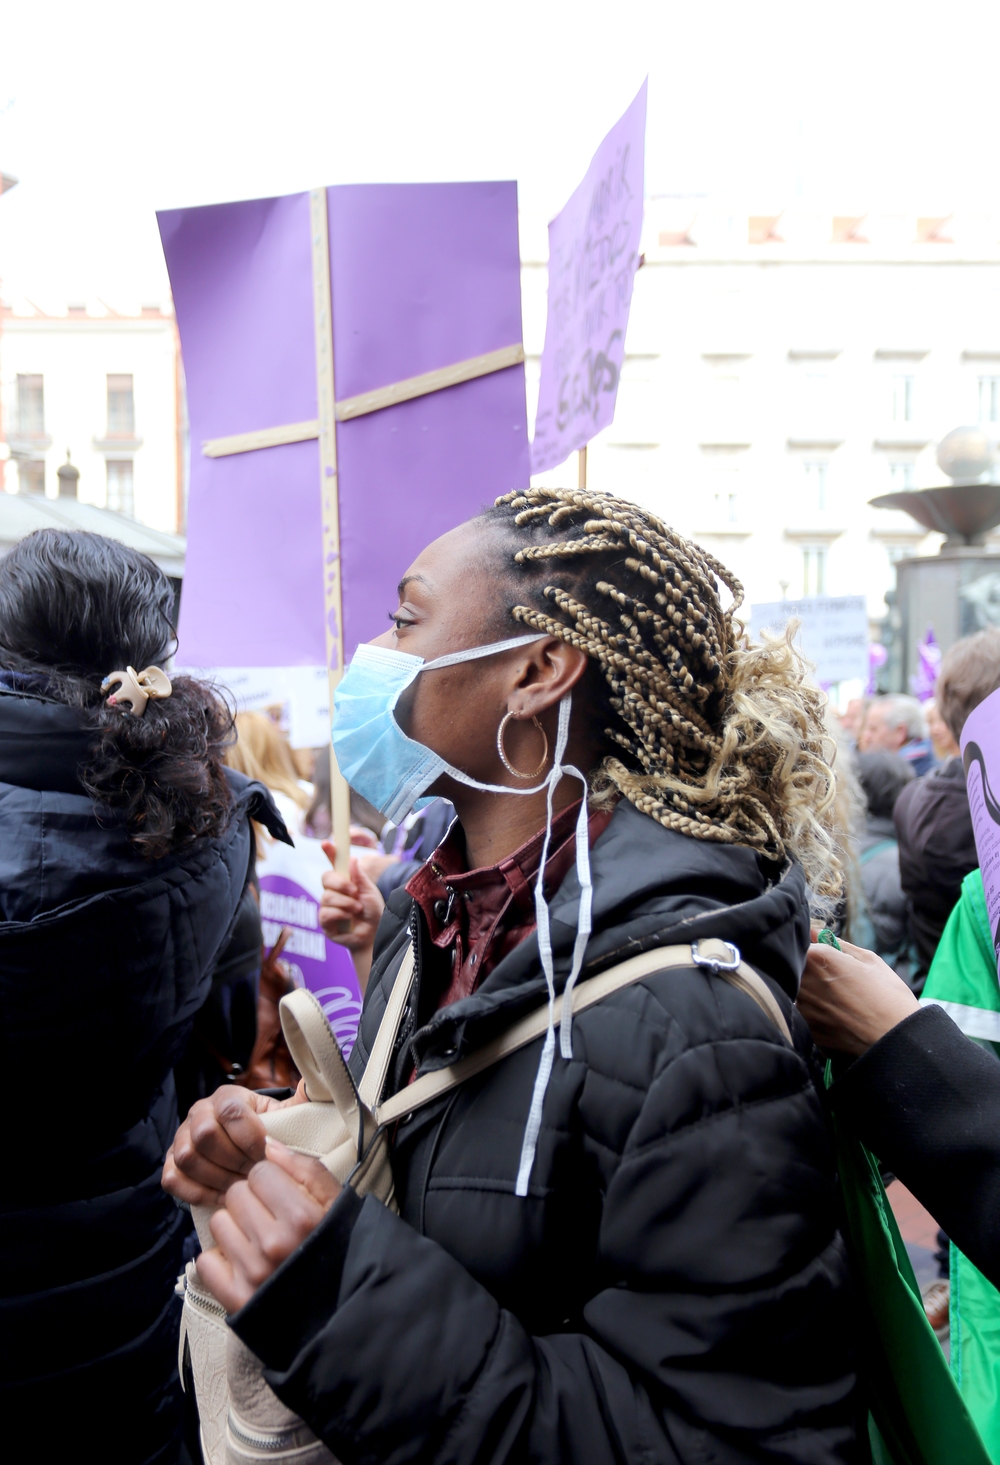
(618, 1242)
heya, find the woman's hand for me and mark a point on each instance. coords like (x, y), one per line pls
(219, 1142)
(265, 1218)
(354, 902)
(354, 898)
(851, 998)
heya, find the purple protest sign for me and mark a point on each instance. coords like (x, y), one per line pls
(593, 257)
(422, 277)
(981, 757)
(290, 891)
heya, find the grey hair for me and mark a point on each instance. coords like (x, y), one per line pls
(903, 711)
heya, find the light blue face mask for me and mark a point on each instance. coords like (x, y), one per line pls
(392, 771)
(373, 752)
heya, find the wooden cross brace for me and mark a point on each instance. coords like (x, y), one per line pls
(324, 427)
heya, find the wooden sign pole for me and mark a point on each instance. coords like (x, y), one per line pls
(581, 467)
(340, 794)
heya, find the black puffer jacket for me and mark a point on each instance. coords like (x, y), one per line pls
(104, 960)
(672, 1289)
(937, 849)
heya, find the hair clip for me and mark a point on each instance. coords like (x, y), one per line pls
(134, 688)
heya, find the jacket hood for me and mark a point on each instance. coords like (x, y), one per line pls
(42, 742)
(56, 848)
(652, 887)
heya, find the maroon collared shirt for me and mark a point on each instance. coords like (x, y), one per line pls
(481, 915)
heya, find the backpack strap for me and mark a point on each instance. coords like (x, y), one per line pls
(722, 958)
(377, 1067)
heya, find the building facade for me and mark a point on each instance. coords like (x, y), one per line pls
(783, 369)
(104, 388)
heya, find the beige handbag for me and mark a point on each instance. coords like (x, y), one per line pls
(346, 1128)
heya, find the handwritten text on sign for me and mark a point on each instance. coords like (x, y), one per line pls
(833, 632)
(593, 257)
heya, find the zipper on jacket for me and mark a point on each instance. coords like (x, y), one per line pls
(409, 1022)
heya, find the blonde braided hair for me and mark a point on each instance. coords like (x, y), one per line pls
(718, 740)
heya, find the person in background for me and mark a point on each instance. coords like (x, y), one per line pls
(261, 752)
(221, 1047)
(926, 1101)
(416, 839)
(368, 828)
(941, 736)
(226, 1027)
(937, 848)
(853, 717)
(895, 723)
(125, 849)
(849, 918)
(883, 777)
(367, 824)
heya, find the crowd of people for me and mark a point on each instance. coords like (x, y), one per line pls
(618, 1239)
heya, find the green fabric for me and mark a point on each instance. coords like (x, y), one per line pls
(964, 968)
(975, 1347)
(963, 974)
(918, 1414)
(963, 979)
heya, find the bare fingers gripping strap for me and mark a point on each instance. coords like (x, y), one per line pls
(337, 1124)
(332, 1125)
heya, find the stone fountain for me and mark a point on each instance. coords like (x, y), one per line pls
(957, 590)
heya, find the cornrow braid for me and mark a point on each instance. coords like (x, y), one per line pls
(712, 738)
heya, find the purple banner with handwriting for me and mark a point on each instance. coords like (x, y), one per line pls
(593, 257)
(423, 276)
(981, 757)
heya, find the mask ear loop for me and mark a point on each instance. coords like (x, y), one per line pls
(534, 1122)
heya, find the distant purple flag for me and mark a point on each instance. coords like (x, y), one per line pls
(924, 679)
(423, 277)
(593, 257)
(877, 658)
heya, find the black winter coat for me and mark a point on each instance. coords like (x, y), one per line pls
(674, 1286)
(926, 1100)
(104, 960)
(937, 849)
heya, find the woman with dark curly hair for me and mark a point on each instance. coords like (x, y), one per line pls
(125, 848)
(619, 1242)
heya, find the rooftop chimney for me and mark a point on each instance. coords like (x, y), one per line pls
(68, 475)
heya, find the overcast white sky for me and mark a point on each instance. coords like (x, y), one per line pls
(109, 111)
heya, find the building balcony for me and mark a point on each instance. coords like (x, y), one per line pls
(117, 446)
(817, 533)
(816, 435)
(28, 444)
(909, 437)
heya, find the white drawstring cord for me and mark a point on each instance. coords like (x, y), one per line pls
(534, 1122)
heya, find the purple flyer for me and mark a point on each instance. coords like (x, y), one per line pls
(593, 257)
(981, 759)
(290, 891)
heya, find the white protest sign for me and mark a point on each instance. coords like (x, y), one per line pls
(833, 634)
(302, 693)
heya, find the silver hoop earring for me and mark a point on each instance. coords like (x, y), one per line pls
(506, 761)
